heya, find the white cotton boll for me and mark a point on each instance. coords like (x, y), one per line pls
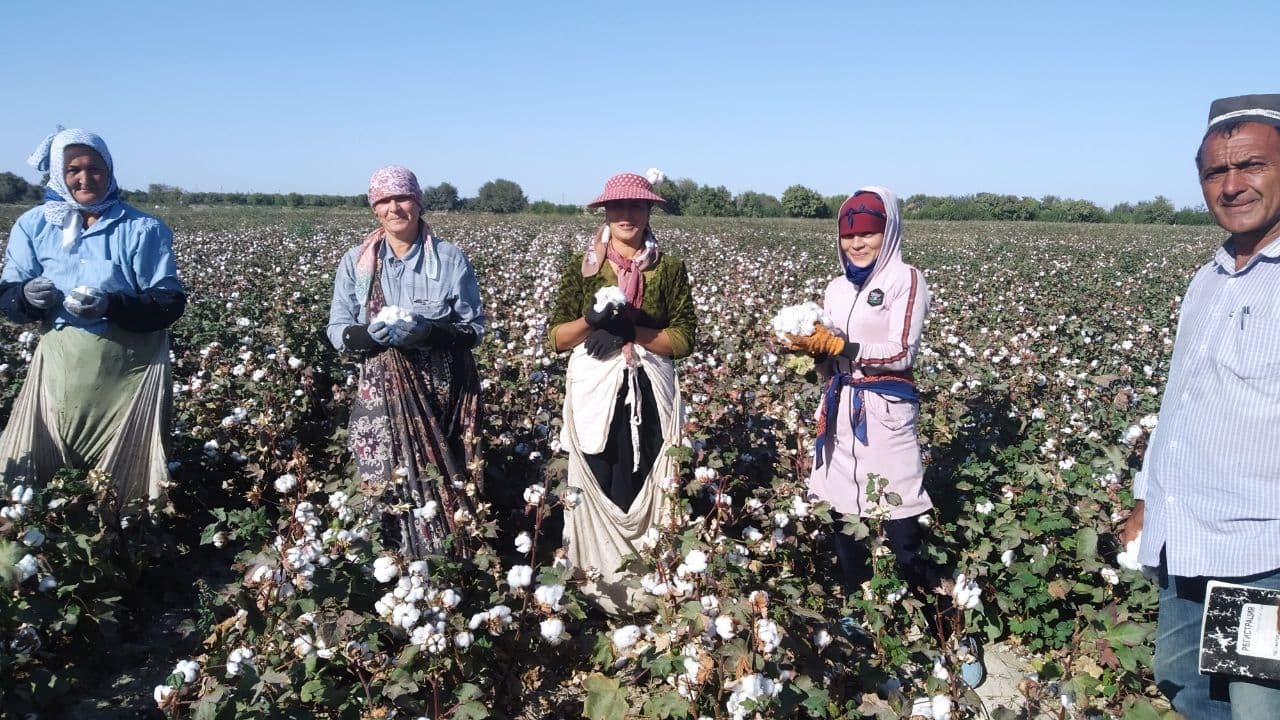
(625, 637)
(552, 629)
(572, 498)
(1109, 575)
(984, 507)
(710, 603)
(696, 561)
(941, 707)
(520, 576)
(188, 669)
(1006, 557)
(534, 494)
(1129, 558)
(523, 543)
(427, 511)
(609, 295)
(286, 483)
(162, 694)
(724, 627)
(385, 569)
(549, 596)
(798, 320)
(462, 640)
(822, 638)
(26, 567)
(398, 320)
(940, 670)
(654, 176)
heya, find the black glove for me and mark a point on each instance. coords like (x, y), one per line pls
(356, 338)
(600, 318)
(41, 294)
(605, 343)
(438, 334)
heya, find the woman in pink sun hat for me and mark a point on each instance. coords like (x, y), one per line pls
(625, 311)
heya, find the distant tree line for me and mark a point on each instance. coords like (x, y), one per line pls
(684, 197)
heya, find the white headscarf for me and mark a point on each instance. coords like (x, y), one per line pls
(60, 207)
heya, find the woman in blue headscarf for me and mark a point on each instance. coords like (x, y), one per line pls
(100, 278)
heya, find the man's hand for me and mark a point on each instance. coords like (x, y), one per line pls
(1133, 525)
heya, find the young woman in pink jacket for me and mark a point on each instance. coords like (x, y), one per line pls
(867, 419)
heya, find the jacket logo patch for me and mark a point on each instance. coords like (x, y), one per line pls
(875, 297)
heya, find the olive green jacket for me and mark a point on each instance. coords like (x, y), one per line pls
(667, 304)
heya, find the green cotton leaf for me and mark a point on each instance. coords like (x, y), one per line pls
(857, 529)
(893, 498)
(272, 676)
(1127, 634)
(605, 699)
(207, 708)
(467, 692)
(1142, 709)
(471, 710)
(1086, 543)
(401, 685)
(667, 705)
(312, 690)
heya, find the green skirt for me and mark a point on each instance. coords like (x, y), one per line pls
(93, 401)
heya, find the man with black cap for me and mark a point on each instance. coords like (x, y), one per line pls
(1208, 495)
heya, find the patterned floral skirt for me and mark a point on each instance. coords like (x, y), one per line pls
(413, 436)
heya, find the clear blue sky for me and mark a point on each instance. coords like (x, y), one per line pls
(1098, 100)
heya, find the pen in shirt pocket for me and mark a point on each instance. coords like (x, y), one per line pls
(1244, 312)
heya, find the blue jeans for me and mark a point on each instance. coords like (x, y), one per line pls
(1196, 696)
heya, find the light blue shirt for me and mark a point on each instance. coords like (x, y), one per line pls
(126, 251)
(435, 282)
(1211, 476)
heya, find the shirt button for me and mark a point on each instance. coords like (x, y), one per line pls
(1173, 444)
(1169, 499)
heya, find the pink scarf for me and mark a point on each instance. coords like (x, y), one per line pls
(630, 270)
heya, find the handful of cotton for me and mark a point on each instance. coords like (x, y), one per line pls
(799, 320)
(398, 320)
(609, 295)
(1128, 559)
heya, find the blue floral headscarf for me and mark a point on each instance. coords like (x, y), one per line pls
(59, 202)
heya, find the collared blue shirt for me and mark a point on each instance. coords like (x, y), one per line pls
(435, 282)
(1211, 476)
(126, 251)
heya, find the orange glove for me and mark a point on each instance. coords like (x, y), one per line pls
(821, 343)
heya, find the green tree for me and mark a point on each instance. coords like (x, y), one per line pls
(672, 194)
(440, 198)
(799, 201)
(1159, 211)
(501, 196)
(754, 204)
(710, 201)
(13, 188)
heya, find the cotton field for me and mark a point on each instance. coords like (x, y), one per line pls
(1040, 375)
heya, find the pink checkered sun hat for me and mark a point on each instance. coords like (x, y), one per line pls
(626, 186)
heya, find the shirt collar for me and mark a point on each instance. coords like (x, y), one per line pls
(108, 218)
(1225, 256)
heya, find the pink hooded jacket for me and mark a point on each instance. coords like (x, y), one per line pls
(885, 317)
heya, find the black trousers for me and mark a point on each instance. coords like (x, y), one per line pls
(904, 536)
(612, 468)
